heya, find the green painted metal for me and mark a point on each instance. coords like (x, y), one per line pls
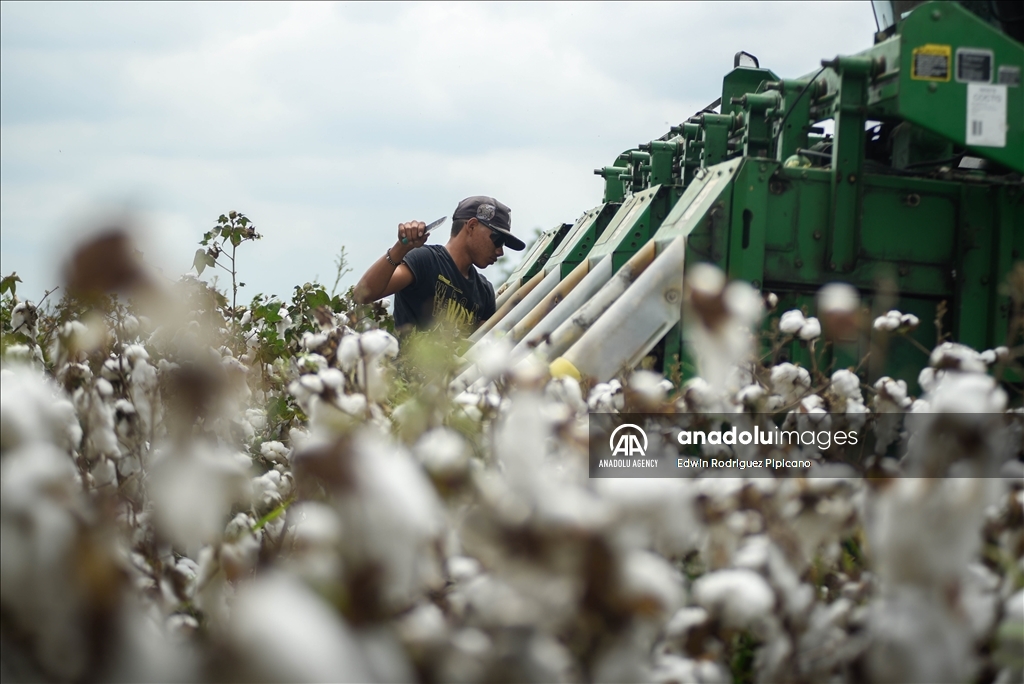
(882, 202)
(942, 106)
(581, 238)
(901, 224)
(634, 224)
(539, 254)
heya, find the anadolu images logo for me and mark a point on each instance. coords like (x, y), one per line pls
(628, 443)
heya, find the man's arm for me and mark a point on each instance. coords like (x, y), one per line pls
(382, 278)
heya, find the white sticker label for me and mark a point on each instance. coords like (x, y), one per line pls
(986, 115)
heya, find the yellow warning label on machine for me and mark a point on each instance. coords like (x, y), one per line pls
(931, 63)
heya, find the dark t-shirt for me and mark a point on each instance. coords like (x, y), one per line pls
(440, 294)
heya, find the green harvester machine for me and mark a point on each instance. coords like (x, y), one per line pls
(915, 198)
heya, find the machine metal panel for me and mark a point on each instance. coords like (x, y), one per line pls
(943, 105)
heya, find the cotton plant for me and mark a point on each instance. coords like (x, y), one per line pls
(269, 493)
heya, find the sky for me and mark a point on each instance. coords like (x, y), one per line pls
(329, 124)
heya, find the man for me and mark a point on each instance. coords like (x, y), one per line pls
(439, 285)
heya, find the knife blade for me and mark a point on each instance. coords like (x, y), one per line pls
(429, 228)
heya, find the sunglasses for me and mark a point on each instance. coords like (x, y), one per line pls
(496, 237)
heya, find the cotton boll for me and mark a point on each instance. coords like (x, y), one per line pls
(743, 302)
(889, 322)
(959, 393)
(706, 281)
(41, 585)
(348, 353)
(951, 355)
(568, 392)
(238, 556)
(265, 493)
(282, 631)
(352, 404)
(914, 639)
(463, 568)
(135, 353)
(314, 525)
(298, 437)
(274, 451)
(980, 599)
(648, 387)
(104, 473)
(143, 391)
(19, 353)
(423, 627)
(697, 394)
(838, 298)
(392, 519)
(311, 383)
(891, 395)
(672, 669)
(100, 439)
(33, 408)
(377, 343)
(651, 513)
(719, 319)
(256, 418)
(113, 368)
(925, 533)
(374, 381)
(845, 387)
(333, 379)
(810, 330)
(443, 453)
(494, 603)
(909, 322)
(838, 306)
(651, 586)
(606, 397)
(492, 356)
(105, 389)
(846, 384)
(685, 621)
(284, 323)
(193, 491)
(790, 382)
(316, 533)
(23, 319)
(313, 341)
(740, 598)
(751, 396)
(792, 322)
(928, 378)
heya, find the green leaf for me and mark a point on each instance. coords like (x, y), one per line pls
(236, 238)
(269, 312)
(200, 261)
(317, 298)
(8, 283)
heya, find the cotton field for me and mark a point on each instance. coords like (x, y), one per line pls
(195, 489)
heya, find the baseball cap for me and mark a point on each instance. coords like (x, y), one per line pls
(492, 214)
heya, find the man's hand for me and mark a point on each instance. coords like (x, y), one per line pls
(384, 278)
(414, 232)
